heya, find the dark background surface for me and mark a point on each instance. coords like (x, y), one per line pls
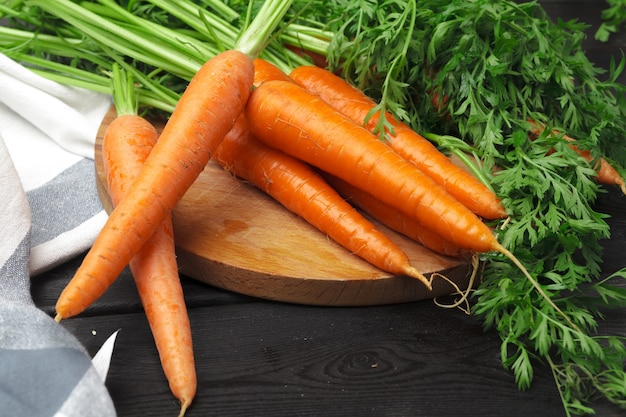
(264, 358)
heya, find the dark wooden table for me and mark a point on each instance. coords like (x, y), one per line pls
(264, 358)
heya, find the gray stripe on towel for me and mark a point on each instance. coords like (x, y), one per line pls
(14, 278)
(70, 199)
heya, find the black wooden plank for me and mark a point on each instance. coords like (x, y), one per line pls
(275, 359)
(284, 360)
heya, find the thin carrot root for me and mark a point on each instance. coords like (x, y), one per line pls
(58, 318)
(463, 293)
(505, 223)
(184, 405)
(414, 273)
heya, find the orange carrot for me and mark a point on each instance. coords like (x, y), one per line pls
(301, 190)
(393, 218)
(265, 71)
(126, 145)
(357, 106)
(605, 173)
(206, 111)
(287, 117)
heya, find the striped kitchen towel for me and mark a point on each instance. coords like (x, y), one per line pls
(49, 213)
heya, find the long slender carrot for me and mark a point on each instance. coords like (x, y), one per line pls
(393, 218)
(287, 117)
(125, 146)
(357, 106)
(127, 143)
(301, 190)
(206, 111)
(605, 173)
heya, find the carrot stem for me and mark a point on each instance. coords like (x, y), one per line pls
(256, 35)
(126, 41)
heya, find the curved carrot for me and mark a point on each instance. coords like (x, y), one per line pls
(357, 106)
(287, 117)
(206, 111)
(126, 145)
(393, 218)
(302, 191)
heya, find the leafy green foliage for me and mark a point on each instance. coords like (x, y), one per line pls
(480, 71)
(613, 17)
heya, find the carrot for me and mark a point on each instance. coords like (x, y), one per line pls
(126, 145)
(393, 218)
(206, 111)
(301, 190)
(357, 106)
(265, 71)
(287, 117)
(605, 173)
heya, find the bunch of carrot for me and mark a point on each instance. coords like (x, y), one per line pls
(292, 136)
(309, 140)
(305, 137)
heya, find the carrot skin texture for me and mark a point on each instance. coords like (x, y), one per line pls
(394, 218)
(287, 117)
(125, 146)
(302, 191)
(205, 112)
(356, 105)
(266, 71)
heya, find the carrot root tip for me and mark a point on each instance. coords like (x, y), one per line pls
(183, 407)
(58, 318)
(414, 273)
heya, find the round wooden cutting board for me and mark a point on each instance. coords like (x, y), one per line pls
(233, 236)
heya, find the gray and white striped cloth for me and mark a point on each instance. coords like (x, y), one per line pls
(49, 213)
